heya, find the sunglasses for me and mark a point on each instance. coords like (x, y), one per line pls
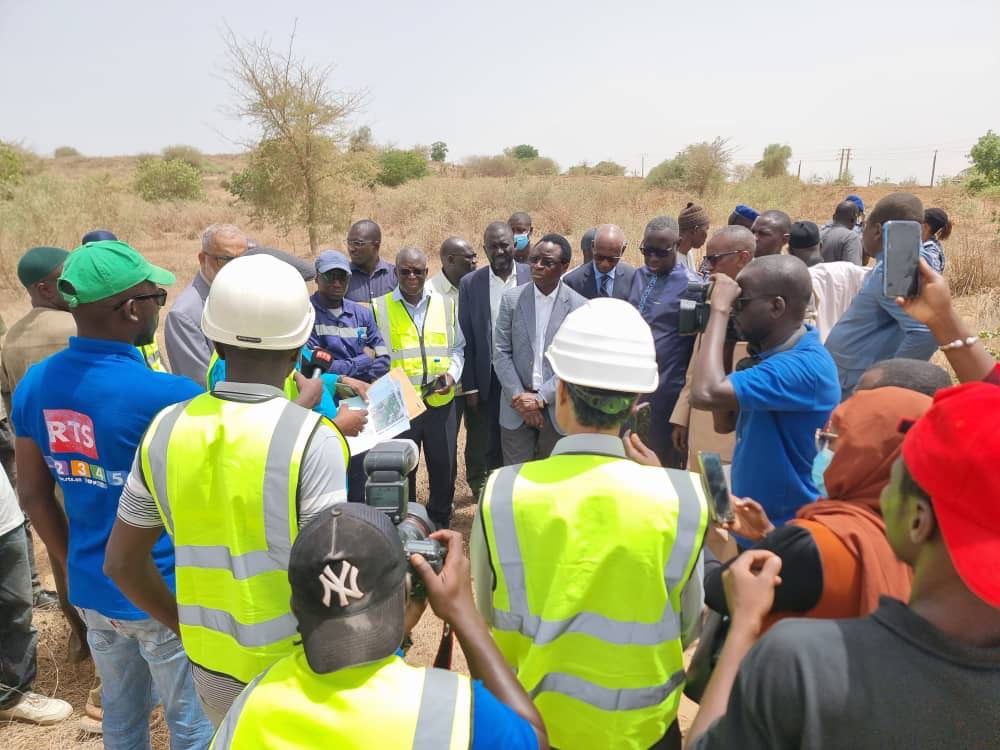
(657, 252)
(335, 275)
(221, 259)
(414, 272)
(823, 438)
(713, 259)
(160, 295)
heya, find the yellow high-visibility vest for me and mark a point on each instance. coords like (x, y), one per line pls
(423, 355)
(151, 356)
(225, 475)
(383, 704)
(591, 554)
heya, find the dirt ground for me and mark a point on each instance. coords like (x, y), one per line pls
(71, 682)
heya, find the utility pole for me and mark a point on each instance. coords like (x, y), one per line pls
(869, 176)
(798, 173)
(840, 169)
(847, 165)
(933, 167)
(643, 169)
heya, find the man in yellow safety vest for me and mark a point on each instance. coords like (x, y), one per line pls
(232, 475)
(420, 329)
(347, 686)
(586, 563)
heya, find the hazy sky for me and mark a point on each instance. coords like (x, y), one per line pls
(580, 80)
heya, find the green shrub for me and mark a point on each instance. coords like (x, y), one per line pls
(167, 180)
(65, 152)
(187, 154)
(397, 166)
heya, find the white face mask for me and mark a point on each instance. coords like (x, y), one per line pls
(820, 464)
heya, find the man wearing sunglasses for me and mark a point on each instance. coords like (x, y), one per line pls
(605, 275)
(79, 416)
(421, 331)
(728, 251)
(657, 289)
(188, 350)
(783, 392)
(371, 276)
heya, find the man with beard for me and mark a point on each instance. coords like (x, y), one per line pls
(79, 417)
(657, 289)
(784, 392)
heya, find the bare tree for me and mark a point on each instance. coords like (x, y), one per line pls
(292, 177)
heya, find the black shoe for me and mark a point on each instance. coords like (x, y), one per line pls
(46, 600)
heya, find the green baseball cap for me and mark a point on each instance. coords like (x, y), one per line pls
(99, 270)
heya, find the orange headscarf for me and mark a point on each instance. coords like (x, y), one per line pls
(868, 444)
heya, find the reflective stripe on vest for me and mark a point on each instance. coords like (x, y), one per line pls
(423, 354)
(601, 660)
(151, 356)
(232, 535)
(432, 708)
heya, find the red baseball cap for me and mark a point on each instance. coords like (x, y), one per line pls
(953, 453)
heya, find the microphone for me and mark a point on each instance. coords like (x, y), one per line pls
(322, 361)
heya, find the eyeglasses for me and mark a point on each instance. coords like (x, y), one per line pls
(359, 243)
(658, 252)
(414, 272)
(612, 259)
(740, 302)
(221, 259)
(713, 259)
(544, 262)
(334, 275)
(160, 295)
(823, 438)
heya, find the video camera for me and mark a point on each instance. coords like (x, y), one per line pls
(387, 489)
(694, 312)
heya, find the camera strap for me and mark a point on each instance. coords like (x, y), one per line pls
(442, 659)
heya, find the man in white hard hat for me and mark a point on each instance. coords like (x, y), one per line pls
(583, 561)
(232, 475)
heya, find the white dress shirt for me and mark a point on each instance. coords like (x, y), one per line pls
(497, 287)
(543, 311)
(418, 313)
(444, 287)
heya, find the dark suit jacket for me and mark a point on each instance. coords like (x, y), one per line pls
(583, 280)
(474, 318)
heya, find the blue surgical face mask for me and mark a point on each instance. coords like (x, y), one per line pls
(820, 465)
(520, 241)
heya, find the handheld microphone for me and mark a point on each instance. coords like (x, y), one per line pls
(322, 361)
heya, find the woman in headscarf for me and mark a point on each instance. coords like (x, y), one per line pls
(836, 560)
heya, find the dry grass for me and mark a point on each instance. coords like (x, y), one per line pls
(75, 194)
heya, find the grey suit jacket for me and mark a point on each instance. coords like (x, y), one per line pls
(583, 280)
(514, 345)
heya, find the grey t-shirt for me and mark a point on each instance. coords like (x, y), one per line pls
(890, 680)
(841, 243)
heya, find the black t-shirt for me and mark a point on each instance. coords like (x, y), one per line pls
(886, 681)
(801, 572)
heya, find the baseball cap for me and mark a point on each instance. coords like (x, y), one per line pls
(856, 200)
(38, 263)
(803, 234)
(329, 260)
(347, 572)
(99, 270)
(98, 235)
(953, 452)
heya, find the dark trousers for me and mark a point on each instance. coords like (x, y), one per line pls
(356, 479)
(436, 433)
(482, 440)
(18, 639)
(661, 431)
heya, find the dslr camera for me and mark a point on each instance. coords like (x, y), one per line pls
(387, 466)
(694, 312)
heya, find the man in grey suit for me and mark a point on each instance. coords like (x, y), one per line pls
(479, 295)
(528, 320)
(605, 275)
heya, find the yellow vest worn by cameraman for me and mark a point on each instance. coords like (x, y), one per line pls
(591, 553)
(423, 355)
(384, 704)
(225, 474)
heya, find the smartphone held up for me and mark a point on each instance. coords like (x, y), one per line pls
(901, 241)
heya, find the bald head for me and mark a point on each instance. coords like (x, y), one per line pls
(458, 258)
(587, 244)
(780, 275)
(736, 237)
(408, 255)
(897, 207)
(846, 214)
(610, 237)
(771, 229)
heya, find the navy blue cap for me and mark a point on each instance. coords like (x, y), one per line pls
(746, 212)
(330, 260)
(98, 235)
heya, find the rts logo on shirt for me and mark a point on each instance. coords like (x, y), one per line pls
(70, 432)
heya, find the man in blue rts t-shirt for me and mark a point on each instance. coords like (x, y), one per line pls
(784, 393)
(79, 417)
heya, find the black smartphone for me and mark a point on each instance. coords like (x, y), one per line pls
(640, 421)
(713, 479)
(901, 242)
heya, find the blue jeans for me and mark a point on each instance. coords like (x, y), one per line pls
(133, 657)
(18, 638)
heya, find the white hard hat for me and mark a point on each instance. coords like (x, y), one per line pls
(605, 344)
(258, 302)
